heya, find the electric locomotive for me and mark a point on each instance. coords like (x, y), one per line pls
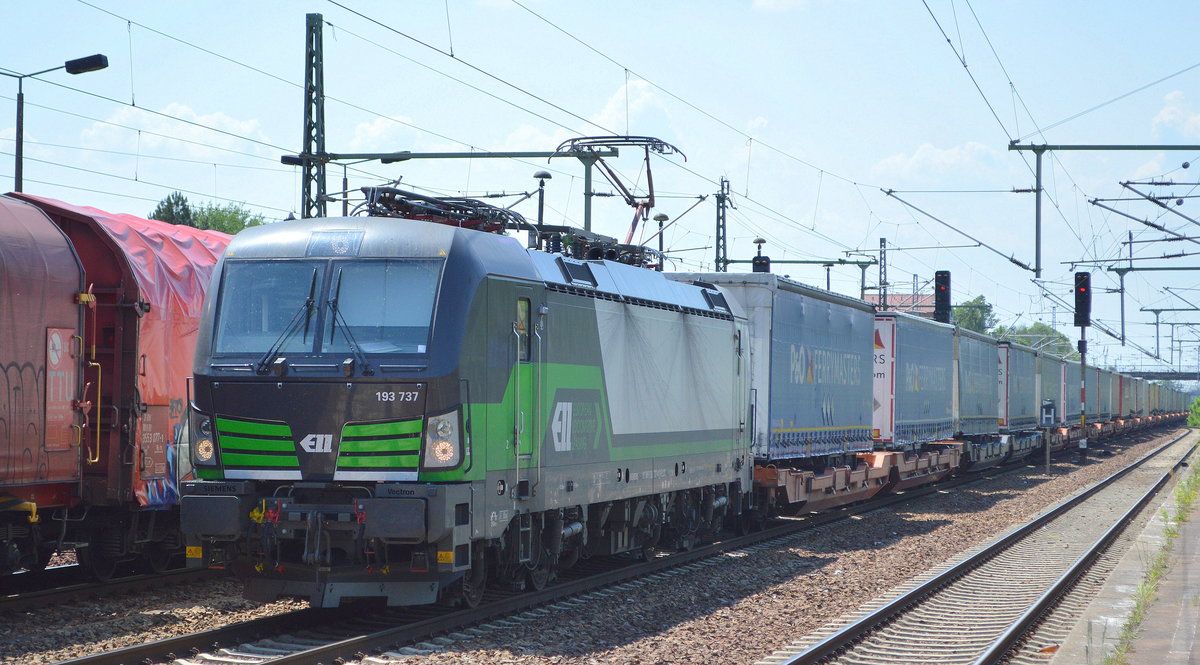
(409, 407)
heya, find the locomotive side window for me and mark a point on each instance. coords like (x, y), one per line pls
(384, 306)
(521, 326)
(265, 301)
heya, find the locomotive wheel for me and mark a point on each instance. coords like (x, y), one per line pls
(510, 578)
(468, 590)
(475, 581)
(541, 567)
(541, 571)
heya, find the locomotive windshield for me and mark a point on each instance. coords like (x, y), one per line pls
(326, 307)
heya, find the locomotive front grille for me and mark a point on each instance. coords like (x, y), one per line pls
(256, 445)
(384, 447)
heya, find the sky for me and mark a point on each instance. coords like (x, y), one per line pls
(836, 122)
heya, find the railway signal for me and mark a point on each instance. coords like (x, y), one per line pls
(1083, 299)
(760, 263)
(941, 296)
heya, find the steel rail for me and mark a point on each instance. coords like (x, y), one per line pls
(1000, 648)
(356, 647)
(839, 640)
(31, 599)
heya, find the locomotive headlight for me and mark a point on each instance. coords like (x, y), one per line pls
(205, 451)
(203, 440)
(442, 447)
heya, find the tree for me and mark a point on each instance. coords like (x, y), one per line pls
(228, 218)
(174, 209)
(975, 314)
(1194, 417)
(1039, 336)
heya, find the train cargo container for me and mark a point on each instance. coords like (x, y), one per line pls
(1104, 394)
(1017, 373)
(975, 408)
(40, 278)
(1050, 389)
(1071, 385)
(810, 351)
(1125, 396)
(145, 282)
(913, 380)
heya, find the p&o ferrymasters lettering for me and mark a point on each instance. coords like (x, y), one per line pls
(825, 366)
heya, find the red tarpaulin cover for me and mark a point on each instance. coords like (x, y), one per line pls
(172, 266)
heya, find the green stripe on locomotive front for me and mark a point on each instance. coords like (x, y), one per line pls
(395, 446)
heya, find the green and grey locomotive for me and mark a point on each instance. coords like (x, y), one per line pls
(412, 410)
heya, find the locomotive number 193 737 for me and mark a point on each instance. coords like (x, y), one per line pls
(402, 396)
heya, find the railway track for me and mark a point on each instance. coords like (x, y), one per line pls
(63, 585)
(323, 636)
(980, 608)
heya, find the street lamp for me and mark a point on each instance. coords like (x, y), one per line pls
(542, 177)
(660, 218)
(77, 66)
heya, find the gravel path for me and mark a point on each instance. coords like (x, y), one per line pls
(737, 610)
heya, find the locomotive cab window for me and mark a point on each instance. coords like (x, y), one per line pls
(263, 303)
(382, 306)
(521, 328)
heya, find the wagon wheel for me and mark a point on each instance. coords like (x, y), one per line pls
(99, 558)
(158, 557)
(97, 564)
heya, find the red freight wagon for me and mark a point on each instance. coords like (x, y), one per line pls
(102, 400)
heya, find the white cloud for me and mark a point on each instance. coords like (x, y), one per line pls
(756, 125)
(528, 137)
(1150, 169)
(160, 134)
(382, 135)
(1177, 114)
(930, 162)
(632, 98)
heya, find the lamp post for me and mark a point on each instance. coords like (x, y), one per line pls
(77, 66)
(660, 218)
(542, 177)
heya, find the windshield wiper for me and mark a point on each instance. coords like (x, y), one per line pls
(359, 355)
(305, 309)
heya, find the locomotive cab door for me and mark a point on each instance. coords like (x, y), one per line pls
(526, 340)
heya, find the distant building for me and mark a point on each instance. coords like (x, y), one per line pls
(921, 304)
